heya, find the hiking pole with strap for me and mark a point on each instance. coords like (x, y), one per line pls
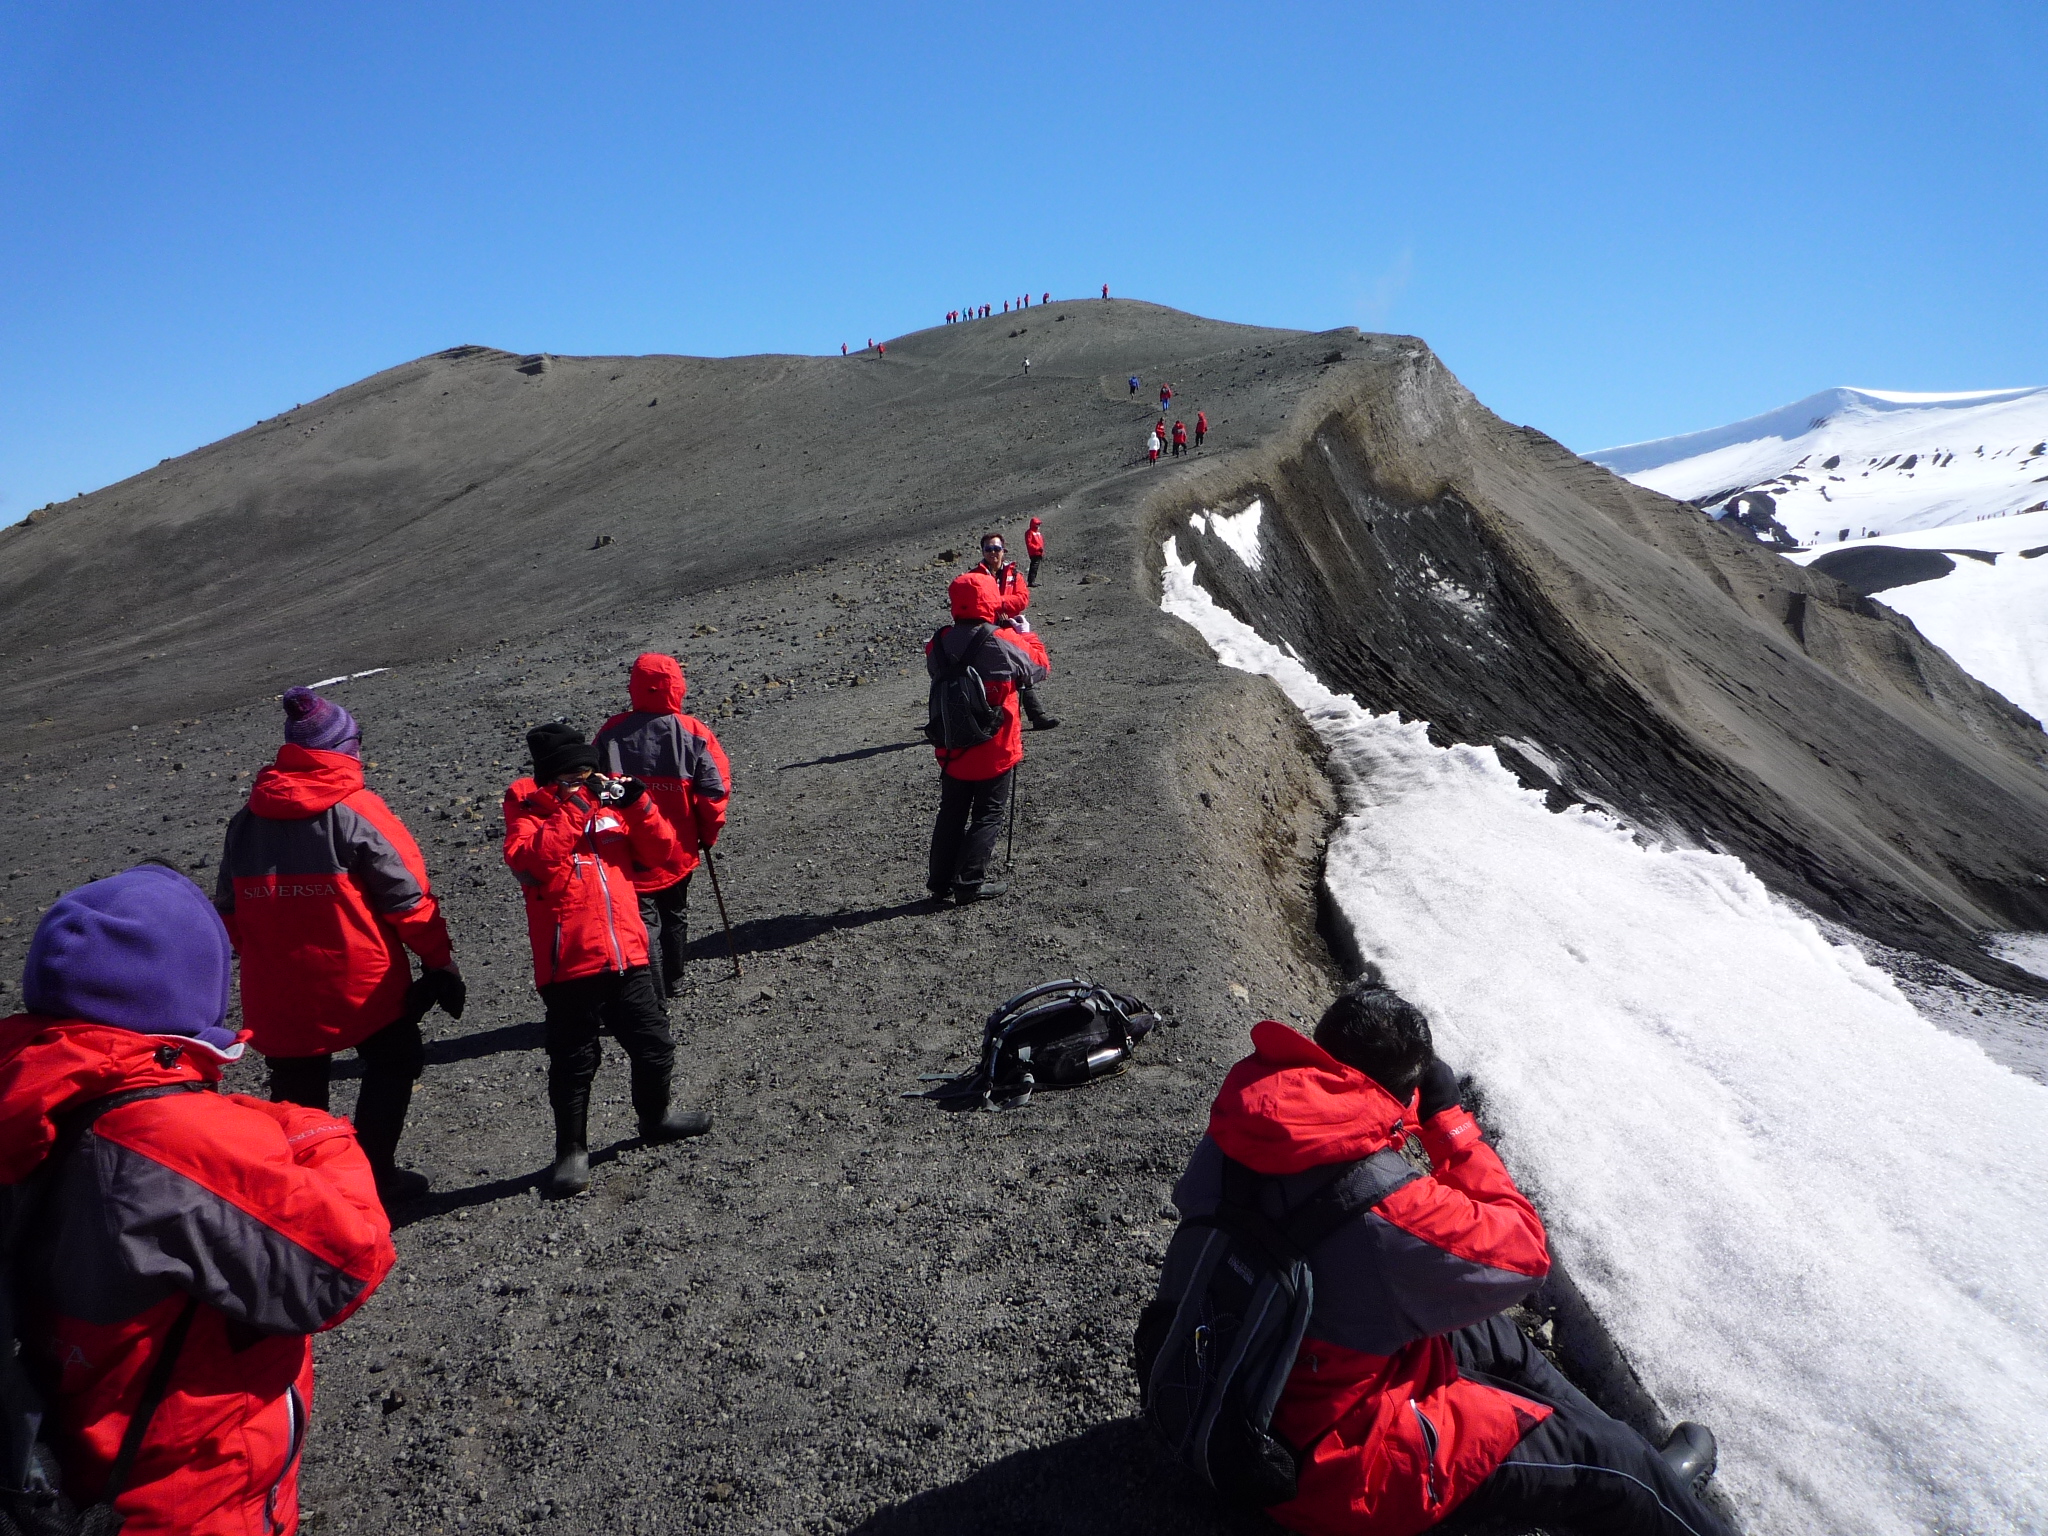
(718, 891)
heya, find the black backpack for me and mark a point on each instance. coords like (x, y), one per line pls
(1216, 1344)
(32, 1499)
(959, 715)
(1058, 1035)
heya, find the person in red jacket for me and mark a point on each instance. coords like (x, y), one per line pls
(323, 891)
(1201, 427)
(678, 758)
(974, 782)
(572, 839)
(187, 1242)
(1034, 546)
(1180, 438)
(1013, 596)
(1412, 1396)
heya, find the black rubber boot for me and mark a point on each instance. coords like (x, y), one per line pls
(1689, 1451)
(1035, 711)
(659, 1122)
(571, 1173)
(988, 890)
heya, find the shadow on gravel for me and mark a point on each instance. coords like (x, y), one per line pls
(471, 1047)
(1113, 1478)
(761, 934)
(442, 1201)
(854, 757)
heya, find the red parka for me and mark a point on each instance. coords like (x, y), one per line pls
(1004, 658)
(1012, 595)
(323, 890)
(1392, 1436)
(264, 1215)
(1034, 541)
(574, 860)
(678, 758)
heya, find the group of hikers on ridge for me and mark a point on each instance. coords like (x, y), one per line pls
(172, 1247)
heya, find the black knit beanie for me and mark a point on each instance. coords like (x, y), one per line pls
(557, 749)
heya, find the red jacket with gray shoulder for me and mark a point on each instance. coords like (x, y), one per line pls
(323, 890)
(1391, 1437)
(678, 758)
(1005, 659)
(262, 1217)
(574, 860)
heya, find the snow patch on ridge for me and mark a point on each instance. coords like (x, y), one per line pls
(1811, 1219)
(1238, 530)
(2028, 951)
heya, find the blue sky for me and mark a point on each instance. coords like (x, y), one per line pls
(1612, 221)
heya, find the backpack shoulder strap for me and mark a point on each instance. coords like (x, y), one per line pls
(1356, 1189)
(153, 1394)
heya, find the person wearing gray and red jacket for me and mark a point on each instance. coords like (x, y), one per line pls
(1013, 596)
(1412, 1395)
(678, 758)
(172, 1247)
(975, 782)
(572, 839)
(323, 891)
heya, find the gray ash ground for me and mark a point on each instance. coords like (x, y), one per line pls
(841, 1306)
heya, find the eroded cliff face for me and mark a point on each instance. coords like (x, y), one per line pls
(1621, 650)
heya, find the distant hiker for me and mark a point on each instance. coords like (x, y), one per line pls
(572, 838)
(1034, 546)
(1412, 1395)
(1134, 383)
(1027, 365)
(1165, 399)
(186, 1242)
(882, 350)
(1201, 427)
(1180, 438)
(1046, 299)
(1006, 306)
(1152, 445)
(975, 780)
(1013, 596)
(1105, 290)
(323, 891)
(842, 349)
(678, 758)
(1159, 431)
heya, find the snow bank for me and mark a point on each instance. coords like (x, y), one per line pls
(1238, 530)
(1991, 618)
(1813, 1220)
(2028, 951)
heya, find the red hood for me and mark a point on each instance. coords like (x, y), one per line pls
(47, 1064)
(304, 783)
(1034, 522)
(657, 686)
(1291, 1105)
(973, 595)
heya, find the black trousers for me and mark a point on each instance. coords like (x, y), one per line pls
(666, 914)
(1578, 1470)
(622, 1004)
(964, 838)
(393, 1059)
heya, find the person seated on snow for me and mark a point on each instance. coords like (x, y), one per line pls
(975, 782)
(323, 891)
(1013, 596)
(180, 1244)
(1412, 1395)
(572, 839)
(679, 759)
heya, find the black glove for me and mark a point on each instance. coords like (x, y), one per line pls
(1439, 1090)
(629, 790)
(451, 991)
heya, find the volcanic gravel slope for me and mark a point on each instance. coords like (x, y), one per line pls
(841, 1306)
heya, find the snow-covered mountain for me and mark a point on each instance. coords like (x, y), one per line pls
(1868, 461)
(1851, 470)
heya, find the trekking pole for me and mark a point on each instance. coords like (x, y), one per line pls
(719, 891)
(1010, 853)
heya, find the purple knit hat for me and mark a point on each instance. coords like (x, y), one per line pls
(141, 950)
(320, 725)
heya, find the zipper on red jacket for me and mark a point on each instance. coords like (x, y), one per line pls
(605, 890)
(296, 1411)
(1429, 1444)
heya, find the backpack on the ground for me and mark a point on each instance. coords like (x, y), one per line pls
(1216, 1344)
(32, 1498)
(960, 715)
(1058, 1035)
